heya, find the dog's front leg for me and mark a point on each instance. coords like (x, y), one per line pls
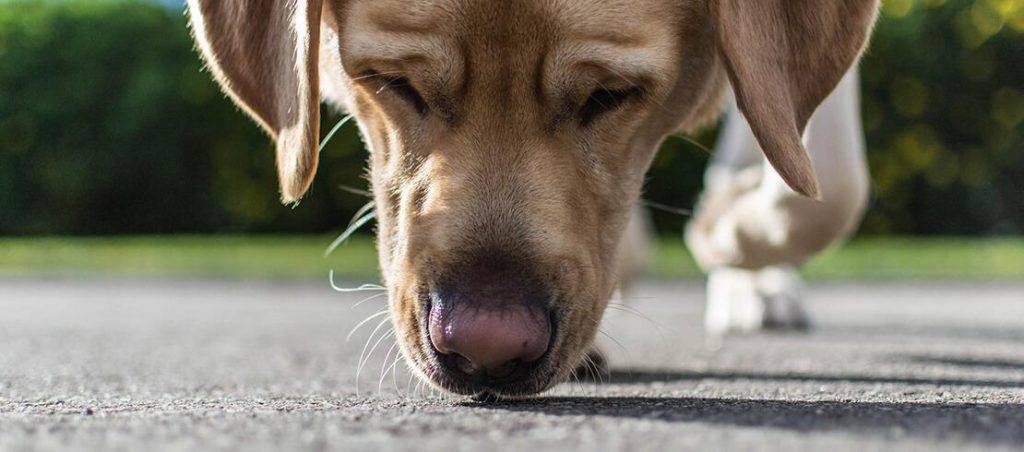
(751, 232)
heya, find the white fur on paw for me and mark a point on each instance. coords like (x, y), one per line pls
(733, 304)
(743, 301)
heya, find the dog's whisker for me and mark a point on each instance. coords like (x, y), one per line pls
(594, 373)
(380, 340)
(334, 130)
(394, 375)
(362, 288)
(387, 84)
(691, 141)
(658, 326)
(624, 308)
(384, 369)
(363, 215)
(408, 384)
(616, 341)
(359, 365)
(586, 367)
(383, 337)
(364, 322)
(362, 211)
(631, 310)
(574, 380)
(597, 370)
(370, 298)
(356, 191)
(352, 228)
(667, 208)
(376, 74)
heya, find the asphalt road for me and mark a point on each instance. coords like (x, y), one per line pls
(200, 365)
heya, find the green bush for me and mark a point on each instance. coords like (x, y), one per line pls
(108, 125)
(944, 116)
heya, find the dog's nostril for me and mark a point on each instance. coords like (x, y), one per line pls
(464, 364)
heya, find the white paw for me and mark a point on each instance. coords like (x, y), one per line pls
(733, 304)
(744, 301)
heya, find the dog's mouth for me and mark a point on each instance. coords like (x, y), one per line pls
(459, 374)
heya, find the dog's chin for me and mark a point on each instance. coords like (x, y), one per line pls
(517, 386)
(493, 390)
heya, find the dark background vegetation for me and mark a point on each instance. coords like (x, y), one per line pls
(109, 126)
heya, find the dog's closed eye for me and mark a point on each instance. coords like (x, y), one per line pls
(604, 100)
(399, 86)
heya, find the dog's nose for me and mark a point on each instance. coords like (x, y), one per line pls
(490, 341)
(489, 318)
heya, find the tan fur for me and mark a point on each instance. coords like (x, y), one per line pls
(501, 161)
(783, 58)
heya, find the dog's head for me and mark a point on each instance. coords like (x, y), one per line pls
(509, 140)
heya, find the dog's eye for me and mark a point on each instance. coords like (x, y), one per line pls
(604, 100)
(402, 87)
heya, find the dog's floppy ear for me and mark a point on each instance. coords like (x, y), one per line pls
(264, 53)
(783, 58)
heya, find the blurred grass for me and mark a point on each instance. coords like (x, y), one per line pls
(188, 256)
(890, 258)
(301, 257)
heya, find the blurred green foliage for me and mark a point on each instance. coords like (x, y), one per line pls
(943, 106)
(108, 125)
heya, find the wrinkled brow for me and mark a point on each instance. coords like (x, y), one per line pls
(411, 16)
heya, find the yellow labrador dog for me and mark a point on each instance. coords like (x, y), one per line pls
(509, 141)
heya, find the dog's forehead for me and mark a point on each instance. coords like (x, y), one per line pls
(624, 22)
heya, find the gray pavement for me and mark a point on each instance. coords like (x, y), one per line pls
(257, 365)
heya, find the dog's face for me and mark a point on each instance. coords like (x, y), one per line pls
(509, 141)
(508, 145)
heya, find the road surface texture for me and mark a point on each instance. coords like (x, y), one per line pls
(237, 365)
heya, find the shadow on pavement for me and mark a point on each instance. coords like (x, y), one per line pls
(991, 423)
(889, 331)
(979, 363)
(634, 376)
(1001, 423)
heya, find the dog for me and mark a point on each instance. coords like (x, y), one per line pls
(509, 142)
